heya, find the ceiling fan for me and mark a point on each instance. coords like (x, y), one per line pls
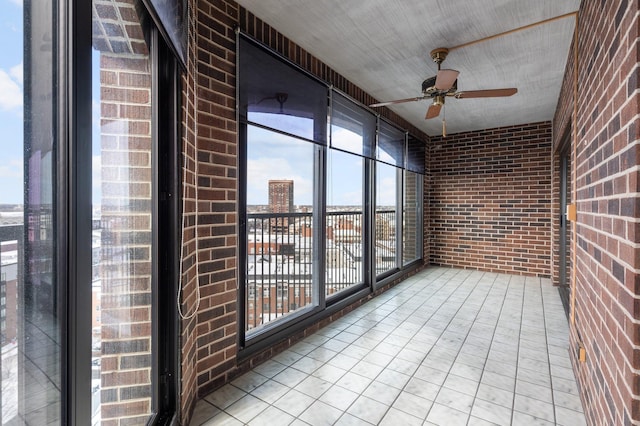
(445, 83)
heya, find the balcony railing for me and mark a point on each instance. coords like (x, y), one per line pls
(280, 259)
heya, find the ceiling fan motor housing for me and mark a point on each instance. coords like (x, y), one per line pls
(429, 87)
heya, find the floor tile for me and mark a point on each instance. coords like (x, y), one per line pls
(203, 412)
(567, 400)
(422, 388)
(461, 384)
(368, 409)
(381, 392)
(339, 397)
(307, 365)
(269, 368)
(454, 399)
(313, 386)
(290, 377)
(412, 404)
(354, 382)
(329, 373)
(270, 391)
(272, 416)
(491, 412)
(222, 419)
(249, 381)
(403, 366)
(395, 417)
(393, 378)
(343, 361)
(430, 375)
(495, 395)
(566, 417)
(522, 419)
(532, 390)
(349, 420)
(294, 402)
(443, 415)
(225, 396)
(499, 381)
(367, 369)
(246, 408)
(534, 407)
(320, 414)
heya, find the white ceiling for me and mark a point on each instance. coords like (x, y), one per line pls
(383, 47)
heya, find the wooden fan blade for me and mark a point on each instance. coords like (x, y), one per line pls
(491, 93)
(397, 101)
(445, 79)
(433, 111)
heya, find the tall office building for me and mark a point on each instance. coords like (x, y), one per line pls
(280, 201)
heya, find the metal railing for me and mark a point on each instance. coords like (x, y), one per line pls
(280, 259)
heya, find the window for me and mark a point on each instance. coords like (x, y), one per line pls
(411, 219)
(390, 157)
(329, 214)
(285, 126)
(352, 142)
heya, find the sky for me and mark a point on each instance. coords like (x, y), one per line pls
(11, 107)
(11, 104)
(274, 156)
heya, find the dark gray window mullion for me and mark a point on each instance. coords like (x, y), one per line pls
(319, 227)
(75, 112)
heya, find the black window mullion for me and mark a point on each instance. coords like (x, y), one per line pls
(75, 200)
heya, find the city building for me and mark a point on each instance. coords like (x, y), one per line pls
(155, 269)
(280, 201)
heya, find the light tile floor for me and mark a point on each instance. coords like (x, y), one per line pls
(445, 347)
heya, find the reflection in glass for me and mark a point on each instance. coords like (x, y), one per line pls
(411, 217)
(391, 144)
(353, 128)
(280, 250)
(275, 94)
(30, 310)
(123, 250)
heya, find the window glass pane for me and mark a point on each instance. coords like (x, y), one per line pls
(391, 142)
(277, 95)
(385, 222)
(30, 311)
(353, 129)
(411, 220)
(345, 220)
(280, 253)
(122, 217)
(416, 151)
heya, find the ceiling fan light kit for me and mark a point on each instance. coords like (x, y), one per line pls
(443, 84)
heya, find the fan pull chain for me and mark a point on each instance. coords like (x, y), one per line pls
(444, 121)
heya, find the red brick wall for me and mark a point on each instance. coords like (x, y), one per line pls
(606, 175)
(209, 340)
(490, 200)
